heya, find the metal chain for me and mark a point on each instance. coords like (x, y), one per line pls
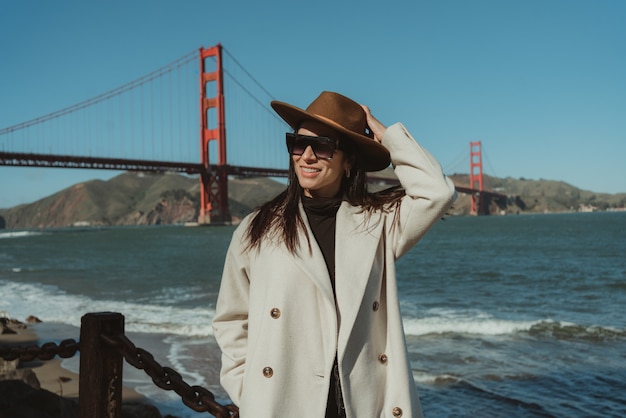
(195, 397)
(65, 349)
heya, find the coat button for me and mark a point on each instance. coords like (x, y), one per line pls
(375, 306)
(397, 412)
(275, 313)
(383, 358)
(268, 372)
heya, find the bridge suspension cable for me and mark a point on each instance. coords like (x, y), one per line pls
(150, 118)
(192, 56)
(460, 162)
(489, 162)
(255, 133)
(252, 78)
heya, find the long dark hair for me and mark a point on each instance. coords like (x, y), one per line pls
(280, 217)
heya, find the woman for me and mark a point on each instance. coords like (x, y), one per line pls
(307, 317)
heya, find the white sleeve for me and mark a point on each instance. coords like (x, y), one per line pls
(429, 192)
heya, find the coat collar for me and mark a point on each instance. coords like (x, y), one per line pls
(356, 242)
(312, 262)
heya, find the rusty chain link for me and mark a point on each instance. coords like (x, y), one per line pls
(65, 349)
(195, 397)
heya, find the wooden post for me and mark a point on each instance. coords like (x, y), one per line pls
(100, 379)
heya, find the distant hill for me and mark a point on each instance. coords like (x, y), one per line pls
(543, 196)
(148, 199)
(134, 199)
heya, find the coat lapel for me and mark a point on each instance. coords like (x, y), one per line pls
(356, 242)
(355, 252)
(312, 263)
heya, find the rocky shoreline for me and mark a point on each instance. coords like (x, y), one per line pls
(44, 389)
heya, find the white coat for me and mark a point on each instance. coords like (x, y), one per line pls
(279, 326)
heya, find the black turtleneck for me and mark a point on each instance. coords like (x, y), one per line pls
(322, 215)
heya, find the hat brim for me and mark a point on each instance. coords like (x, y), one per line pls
(372, 155)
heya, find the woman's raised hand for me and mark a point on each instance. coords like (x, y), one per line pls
(377, 128)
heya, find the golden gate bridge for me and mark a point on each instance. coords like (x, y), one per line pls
(154, 124)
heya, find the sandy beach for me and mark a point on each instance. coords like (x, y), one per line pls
(50, 373)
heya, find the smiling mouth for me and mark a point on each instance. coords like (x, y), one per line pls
(310, 170)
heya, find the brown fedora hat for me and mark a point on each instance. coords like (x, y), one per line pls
(347, 118)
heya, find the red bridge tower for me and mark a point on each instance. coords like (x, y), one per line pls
(213, 180)
(476, 177)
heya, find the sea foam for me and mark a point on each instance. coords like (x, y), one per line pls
(51, 304)
(442, 321)
(18, 234)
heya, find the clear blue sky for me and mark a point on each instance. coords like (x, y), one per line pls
(542, 83)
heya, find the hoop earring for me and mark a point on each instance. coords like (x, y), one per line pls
(347, 173)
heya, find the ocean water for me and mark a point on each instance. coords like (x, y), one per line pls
(515, 316)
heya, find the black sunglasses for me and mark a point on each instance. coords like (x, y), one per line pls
(323, 147)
